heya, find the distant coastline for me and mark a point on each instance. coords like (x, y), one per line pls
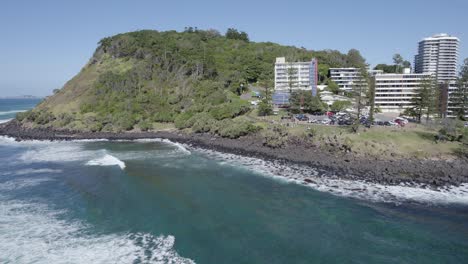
(21, 97)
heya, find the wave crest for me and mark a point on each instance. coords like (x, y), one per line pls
(33, 233)
(106, 160)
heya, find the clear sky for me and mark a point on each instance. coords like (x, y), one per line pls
(44, 43)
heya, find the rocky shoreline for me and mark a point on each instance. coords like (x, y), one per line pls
(433, 173)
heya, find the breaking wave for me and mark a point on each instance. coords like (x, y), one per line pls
(12, 112)
(313, 178)
(106, 160)
(181, 147)
(33, 233)
(5, 120)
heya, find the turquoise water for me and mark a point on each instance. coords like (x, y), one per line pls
(160, 202)
(10, 107)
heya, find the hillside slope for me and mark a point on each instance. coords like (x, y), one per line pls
(187, 78)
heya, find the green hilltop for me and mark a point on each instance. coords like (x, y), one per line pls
(138, 79)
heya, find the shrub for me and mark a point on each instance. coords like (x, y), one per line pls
(338, 106)
(183, 120)
(235, 128)
(44, 117)
(163, 116)
(23, 115)
(123, 121)
(229, 110)
(203, 122)
(264, 108)
(145, 125)
(64, 119)
(275, 137)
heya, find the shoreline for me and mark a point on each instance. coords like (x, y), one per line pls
(416, 172)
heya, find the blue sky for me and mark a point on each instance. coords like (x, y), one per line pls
(45, 43)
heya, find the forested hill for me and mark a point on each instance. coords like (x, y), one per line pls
(138, 78)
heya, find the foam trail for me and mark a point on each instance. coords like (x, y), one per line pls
(12, 112)
(31, 171)
(180, 146)
(5, 120)
(106, 160)
(375, 192)
(33, 233)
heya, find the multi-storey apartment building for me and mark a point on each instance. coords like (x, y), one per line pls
(296, 75)
(345, 78)
(438, 55)
(393, 92)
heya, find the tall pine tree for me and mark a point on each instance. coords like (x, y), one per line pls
(459, 97)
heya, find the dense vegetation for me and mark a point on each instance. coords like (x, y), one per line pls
(187, 78)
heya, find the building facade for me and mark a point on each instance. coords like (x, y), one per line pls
(296, 75)
(345, 78)
(393, 92)
(438, 55)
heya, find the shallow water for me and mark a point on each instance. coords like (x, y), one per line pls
(153, 201)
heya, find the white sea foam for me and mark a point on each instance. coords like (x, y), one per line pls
(106, 160)
(348, 188)
(5, 120)
(20, 184)
(31, 171)
(181, 147)
(12, 111)
(33, 233)
(56, 152)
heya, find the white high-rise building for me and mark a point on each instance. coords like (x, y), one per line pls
(438, 55)
(345, 78)
(300, 75)
(393, 92)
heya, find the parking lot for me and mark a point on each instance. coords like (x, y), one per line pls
(346, 119)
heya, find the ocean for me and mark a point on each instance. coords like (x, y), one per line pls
(155, 201)
(10, 107)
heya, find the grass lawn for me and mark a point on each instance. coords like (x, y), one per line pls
(410, 141)
(405, 142)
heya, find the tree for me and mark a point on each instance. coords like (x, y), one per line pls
(355, 59)
(332, 86)
(338, 106)
(397, 67)
(386, 68)
(371, 96)
(303, 100)
(398, 59)
(265, 107)
(292, 72)
(423, 101)
(233, 33)
(406, 64)
(460, 95)
(360, 94)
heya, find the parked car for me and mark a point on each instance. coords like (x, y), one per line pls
(326, 121)
(400, 122)
(302, 117)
